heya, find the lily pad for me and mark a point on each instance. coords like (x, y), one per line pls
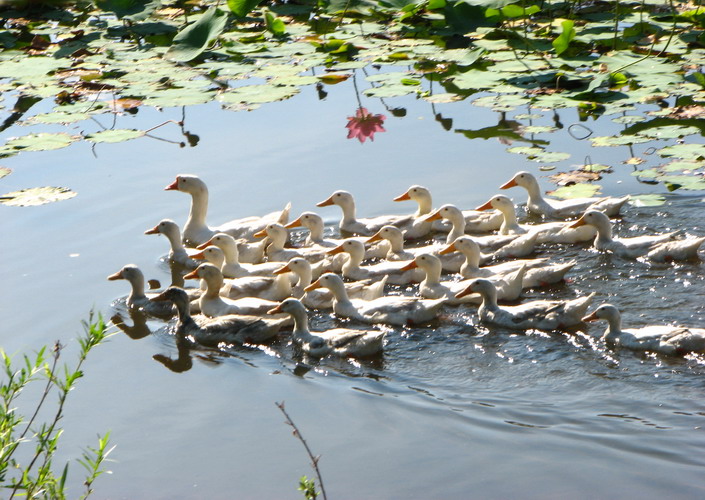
(684, 151)
(36, 196)
(620, 140)
(669, 132)
(41, 142)
(549, 157)
(647, 200)
(59, 117)
(4, 172)
(689, 182)
(580, 190)
(257, 94)
(119, 135)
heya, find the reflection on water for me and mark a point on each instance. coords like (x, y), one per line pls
(442, 407)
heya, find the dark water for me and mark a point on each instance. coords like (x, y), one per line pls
(453, 410)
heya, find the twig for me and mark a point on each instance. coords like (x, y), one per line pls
(297, 434)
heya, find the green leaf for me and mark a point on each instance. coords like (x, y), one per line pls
(190, 42)
(36, 196)
(647, 200)
(578, 190)
(684, 151)
(4, 172)
(242, 7)
(41, 142)
(119, 135)
(561, 43)
(275, 25)
(134, 10)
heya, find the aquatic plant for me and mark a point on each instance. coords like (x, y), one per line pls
(33, 475)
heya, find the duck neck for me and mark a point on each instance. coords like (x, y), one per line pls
(425, 205)
(457, 230)
(305, 276)
(509, 224)
(614, 327)
(352, 264)
(535, 196)
(177, 247)
(472, 261)
(604, 233)
(396, 243)
(315, 233)
(489, 299)
(137, 291)
(301, 330)
(433, 275)
(196, 221)
(213, 286)
(232, 254)
(340, 294)
(348, 213)
(276, 242)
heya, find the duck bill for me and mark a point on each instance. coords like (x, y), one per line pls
(313, 286)
(174, 186)
(204, 245)
(375, 237)
(411, 265)
(464, 293)
(509, 184)
(154, 230)
(486, 206)
(115, 276)
(577, 223)
(296, 223)
(449, 249)
(432, 216)
(193, 275)
(276, 309)
(199, 256)
(336, 250)
(591, 317)
(160, 297)
(283, 270)
(260, 234)
(403, 197)
(325, 203)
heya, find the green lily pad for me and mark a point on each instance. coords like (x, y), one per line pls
(525, 150)
(190, 42)
(59, 117)
(549, 157)
(4, 172)
(681, 166)
(257, 94)
(179, 97)
(41, 142)
(119, 135)
(647, 200)
(628, 119)
(535, 129)
(579, 190)
(620, 140)
(669, 132)
(689, 182)
(684, 151)
(36, 196)
(443, 98)
(596, 167)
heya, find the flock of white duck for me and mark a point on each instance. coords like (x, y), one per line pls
(253, 285)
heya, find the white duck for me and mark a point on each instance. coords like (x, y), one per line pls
(562, 209)
(474, 221)
(363, 227)
(177, 251)
(228, 329)
(316, 239)
(354, 271)
(196, 231)
(212, 304)
(549, 232)
(658, 248)
(338, 341)
(391, 310)
(137, 298)
(231, 252)
(666, 339)
(455, 216)
(276, 251)
(508, 286)
(323, 299)
(540, 314)
(539, 272)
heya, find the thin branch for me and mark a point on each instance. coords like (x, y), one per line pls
(314, 459)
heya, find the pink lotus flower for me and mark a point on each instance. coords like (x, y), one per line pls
(364, 124)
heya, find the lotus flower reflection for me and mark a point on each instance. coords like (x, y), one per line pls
(364, 124)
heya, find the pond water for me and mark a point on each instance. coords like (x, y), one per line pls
(450, 410)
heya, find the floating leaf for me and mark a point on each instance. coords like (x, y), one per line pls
(4, 172)
(59, 117)
(561, 43)
(134, 10)
(647, 200)
(628, 119)
(596, 167)
(549, 157)
(41, 142)
(575, 191)
(535, 129)
(621, 140)
(669, 132)
(684, 151)
(119, 135)
(190, 42)
(690, 182)
(36, 196)
(257, 94)
(680, 166)
(242, 7)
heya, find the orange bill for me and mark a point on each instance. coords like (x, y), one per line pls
(486, 206)
(578, 223)
(432, 216)
(313, 286)
(375, 237)
(174, 186)
(465, 292)
(449, 249)
(204, 245)
(260, 234)
(326, 202)
(275, 310)
(282, 270)
(116, 276)
(193, 275)
(509, 184)
(338, 249)
(403, 197)
(411, 265)
(199, 256)
(591, 317)
(154, 230)
(296, 223)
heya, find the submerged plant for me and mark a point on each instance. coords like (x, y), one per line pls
(33, 475)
